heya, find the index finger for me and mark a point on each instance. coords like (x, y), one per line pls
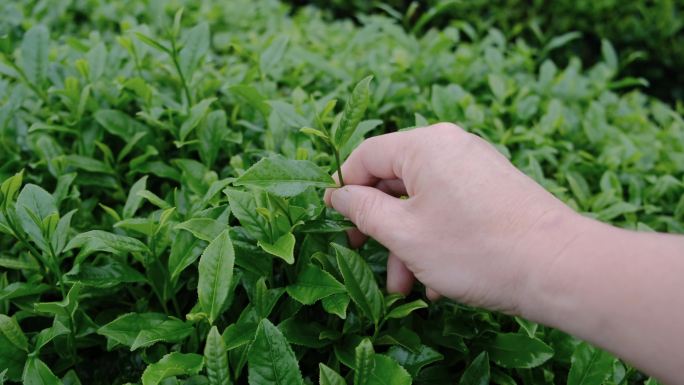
(377, 158)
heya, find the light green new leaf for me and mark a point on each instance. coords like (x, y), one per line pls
(328, 376)
(34, 54)
(215, 275)
(404, 310)
(363, 362)
(590, 366)
(271, 359)
(9, 189)
(195, 46)
(197, 113)
(477, 373)
(284, 177)
(120, 124)
(353, 112)
(11, 330)
(512, 350)
(66, 307)
(273, 54)
(206, 229)
(283, 247)
(98, 240)
(37, 373)
(243, 206)
(134, 200)
(33, 205)
(360, 283)
(46, 335)
(313, 284)
(216, 359)
(172, 364)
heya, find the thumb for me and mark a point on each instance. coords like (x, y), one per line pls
(373, 212)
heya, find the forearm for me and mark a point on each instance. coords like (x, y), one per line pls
(618, 289)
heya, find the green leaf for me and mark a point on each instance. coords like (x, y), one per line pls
(197, 113)
(590, 366)
(46, 335)
(512, 350)
(609, 55)
(313, 284)
(125, 328)
(328, 376)
(353, 112)
(244, 207)
(360, 283)
(404, 310)
(104, 276)
(184, 252)
(498, 86)
(119, 123)
(98, 240)
(252, 96)
(35, 204)
(284, 177)
(477, 373)
(273, 54)
(206, 229)
(363, 362)
(9, 189)
(66, 307)
(172, 364)
(169, 330)
(414, 361)
(34, 54)
(216, 359)
(37, 373)
(336, 304)
(386, 371)
(134, 200)
(215, 275)
(195, 46)
(283, 247)
(271, 359)
(12, 332)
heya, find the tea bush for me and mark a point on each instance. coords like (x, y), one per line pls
(161, 212)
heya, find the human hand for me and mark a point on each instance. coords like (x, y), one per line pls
(473, 228)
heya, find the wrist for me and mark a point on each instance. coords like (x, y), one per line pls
(550, 292)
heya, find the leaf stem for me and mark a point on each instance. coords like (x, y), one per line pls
(339, 165)
(174, 59)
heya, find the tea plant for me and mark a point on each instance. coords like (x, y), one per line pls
(162, 172)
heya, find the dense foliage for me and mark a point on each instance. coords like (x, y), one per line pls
(160, 208)
(648, 34)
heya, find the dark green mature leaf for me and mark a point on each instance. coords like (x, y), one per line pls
(360, 282)
(353, 112)
(243, 206)
(172, 364)
(104, 276)
(414, 361)
(126, 328)
(284, 177)
(37, 373)
(216, 359)
(197, 113)
(215, 275)
(313, 284)
(590, 366)
(12, 332)
(184, 252)
(328, 376)
(46, 335)
(386, 371)
(169, 330)
(336, 304)
(119, 124)
(512, 350)
(271, 360)
(34, 54)
(477, 373)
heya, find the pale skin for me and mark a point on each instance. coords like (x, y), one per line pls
(477, 230)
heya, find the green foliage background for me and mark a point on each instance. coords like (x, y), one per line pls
(145, 241)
